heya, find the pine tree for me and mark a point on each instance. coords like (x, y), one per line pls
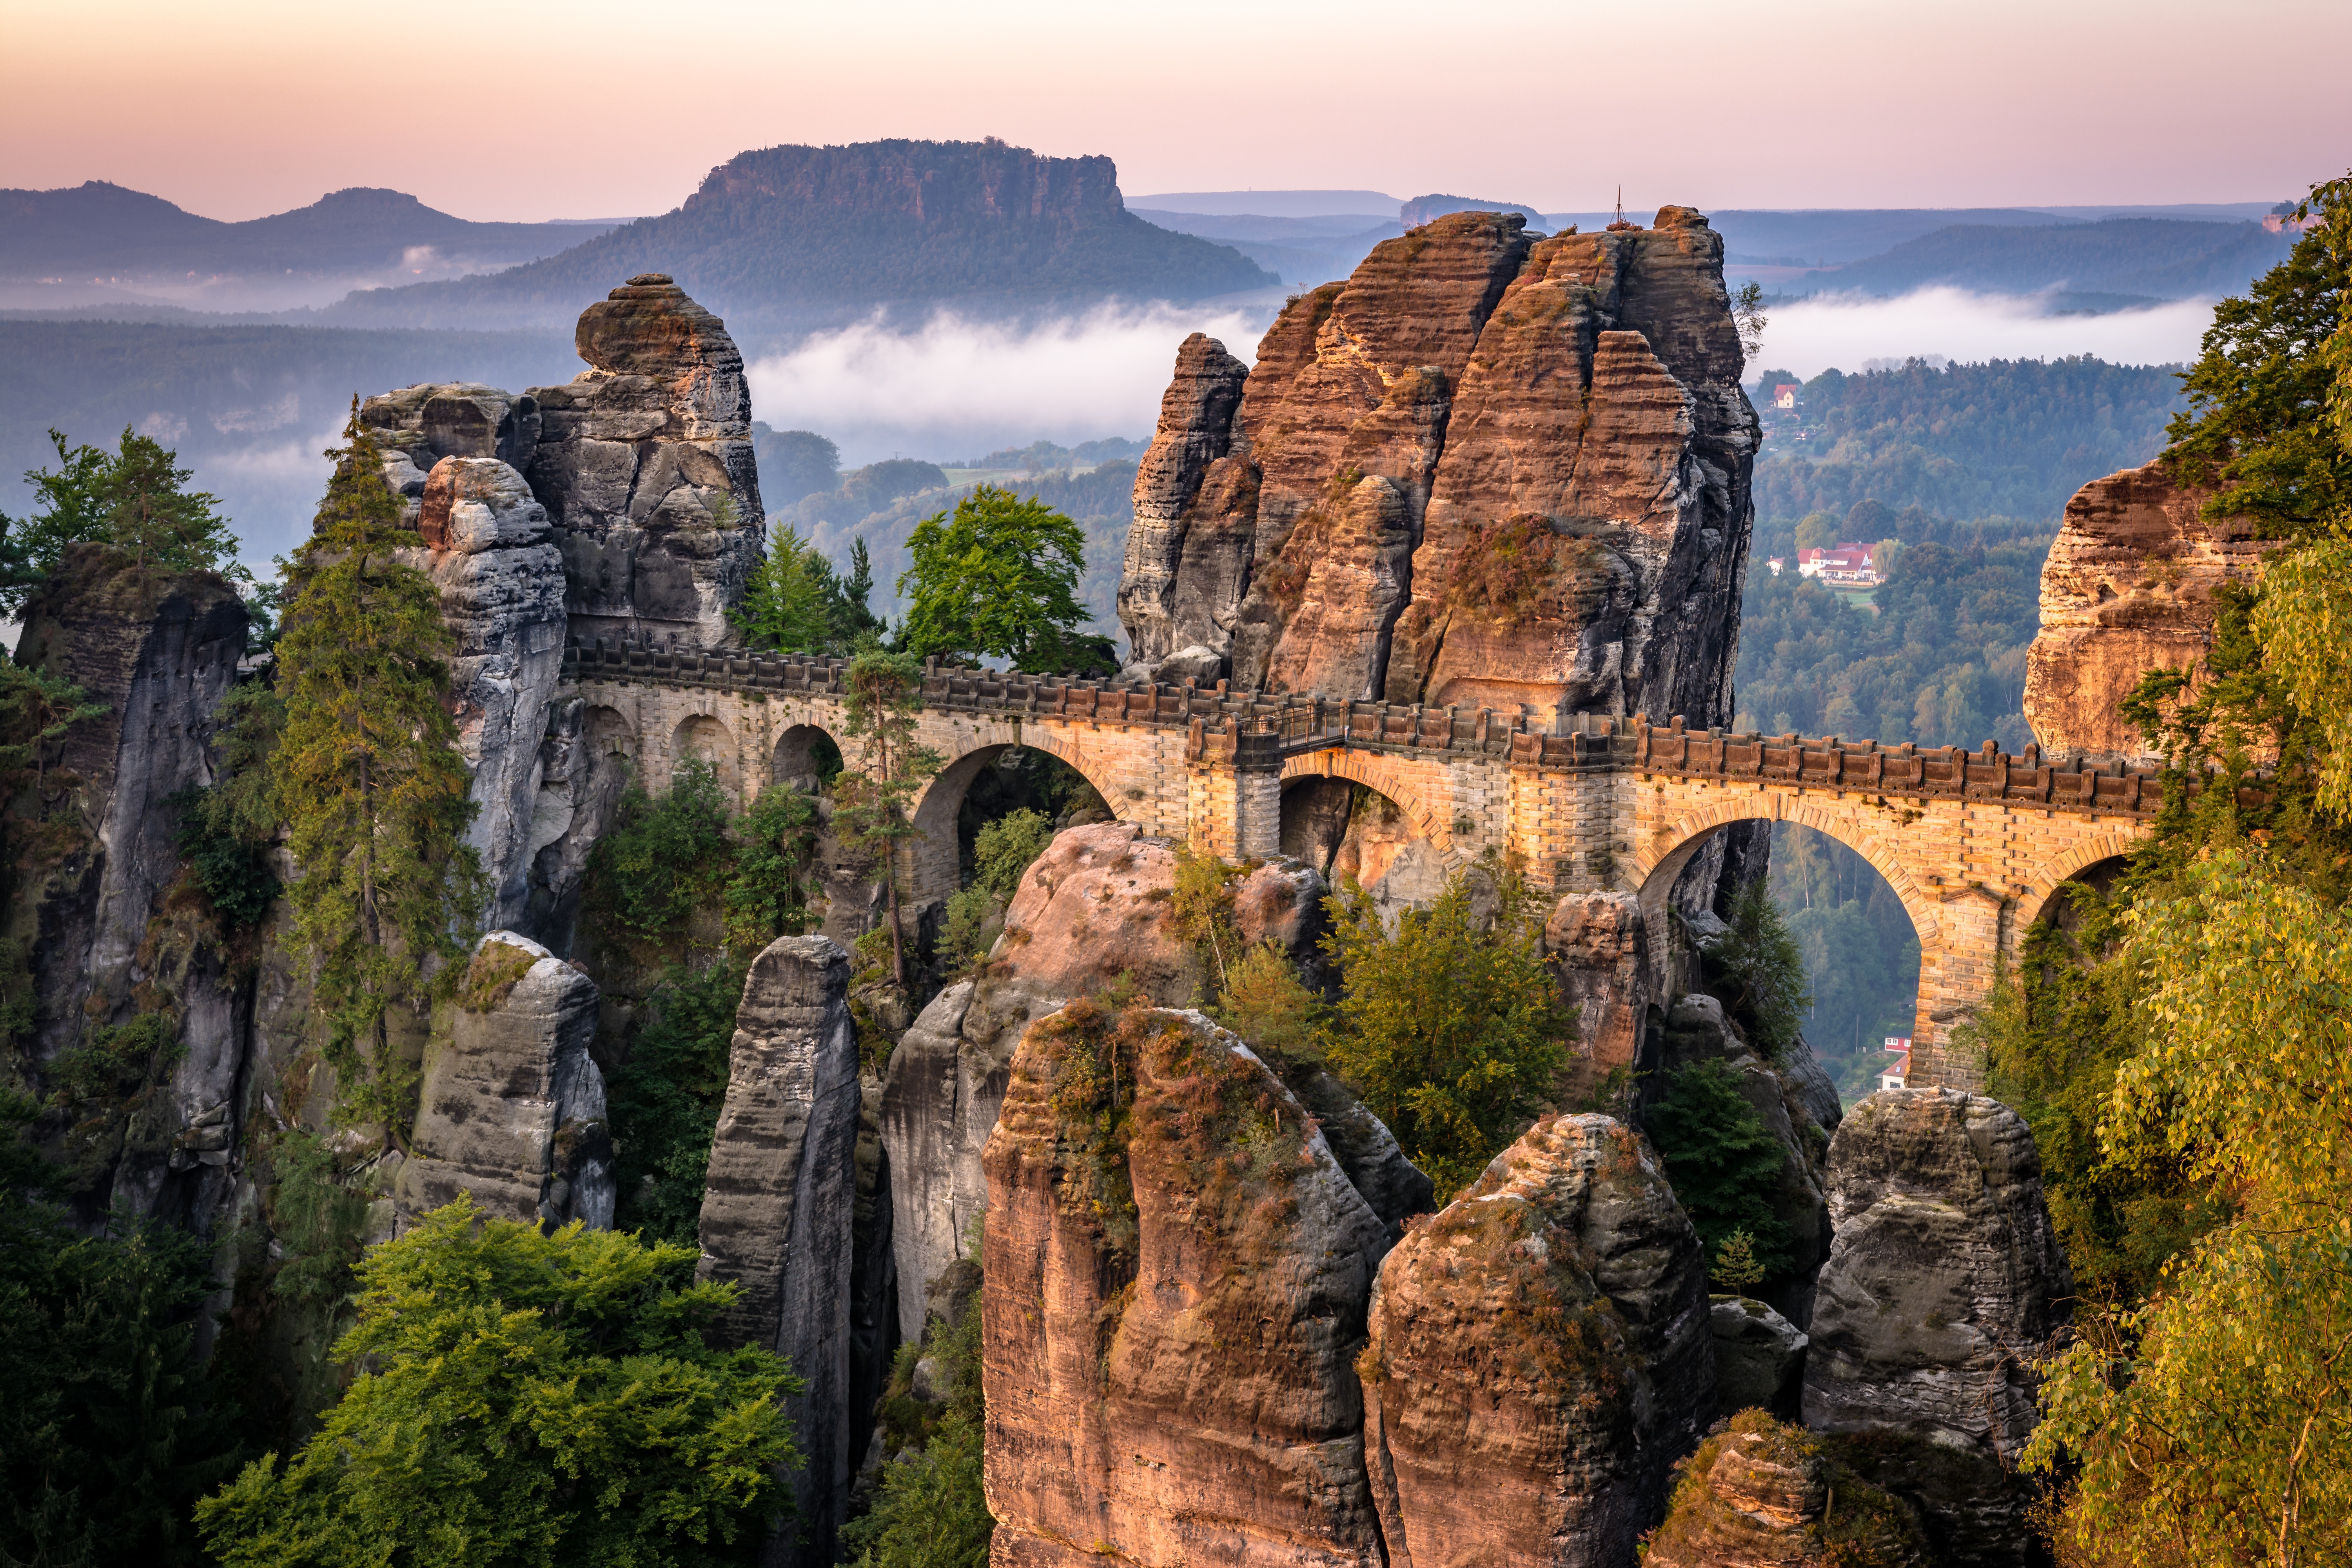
(787, 604)
(1737, 1267)
(369, 778)
(885, 695)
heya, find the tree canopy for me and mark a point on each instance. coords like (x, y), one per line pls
(997, 578)
(135, 501)
(524, 1398)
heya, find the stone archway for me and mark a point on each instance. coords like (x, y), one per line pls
(2037, 899)
(806, 757)
(704, 737)
(935, 871)
(1419, 789)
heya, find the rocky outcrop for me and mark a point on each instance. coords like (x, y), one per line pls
(1174, 1299)
(1759, 1356)
(1540, 1355)
(1094, 912)
(779, 1211)
(103, 938)
(644, 462)
(512, 1107)
(1603, 949)
(490, 550)
(2128, 587)
(1490, 469)
(1759, 1494)
(1697, 1030)
(1945, 1288)
(419, 426)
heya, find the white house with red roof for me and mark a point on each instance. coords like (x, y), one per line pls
(1844, 563)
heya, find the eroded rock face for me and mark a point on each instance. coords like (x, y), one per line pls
(419, 426)
(779, 1210)
(1093, 912)
(644, 462)
(1603, 949)
(1540, 1354)
(2127, 588)
(1759, 1356)
(490, 550)
(511, 1109)
(1946, 1282)
(1486, 469)
(91, 909)
(1170, 1320)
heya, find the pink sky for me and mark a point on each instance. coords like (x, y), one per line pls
(590, 108)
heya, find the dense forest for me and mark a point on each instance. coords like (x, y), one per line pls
(2004, 438)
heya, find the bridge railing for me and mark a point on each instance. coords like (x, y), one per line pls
(1260, 728)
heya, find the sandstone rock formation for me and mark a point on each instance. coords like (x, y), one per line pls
(1540, 1354)
(490, 550)
(511, 1109)
(1487, 470)
(778, 1210)
(1759, 1356)
(2127, 588)
(1786, 1099)
(419, 426)
(1945, 1287)
(1174, 1299)
(1763, 1495)
(1603, 949)
(644, 462)
(89, 911)
(1093, 912)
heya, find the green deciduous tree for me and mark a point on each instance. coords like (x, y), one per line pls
(998, 578)
(885, 694)
(1001, 852)
(525, 1399)
(1452, 1030)
(2214, 1423)
(368, 775)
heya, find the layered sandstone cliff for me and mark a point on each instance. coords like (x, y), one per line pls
(2128, 587)
(1488, 469)
(1177, 1270)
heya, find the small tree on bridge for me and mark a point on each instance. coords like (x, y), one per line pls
(1000, 578)
(885, 693)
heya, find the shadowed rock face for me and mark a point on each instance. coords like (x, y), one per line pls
(1764, 1495)
(511, 1109)
(1169, 1320)
(1485, 470)
(490, 550)
(1540, 1353)
(1945, 1287)
(2127, 588)
(644, 462)
(780, 1205)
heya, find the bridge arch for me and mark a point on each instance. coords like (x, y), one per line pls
(1400, 780)
(2036, 898)
(705, 738)
(805, 756)
(1657, 864)
(937, 856)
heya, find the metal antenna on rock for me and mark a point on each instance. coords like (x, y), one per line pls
(1620, 222)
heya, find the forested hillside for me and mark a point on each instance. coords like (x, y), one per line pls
(2004, 438)
(2154, 258)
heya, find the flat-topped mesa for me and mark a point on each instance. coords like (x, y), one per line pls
(1489, 469)
(644, 462)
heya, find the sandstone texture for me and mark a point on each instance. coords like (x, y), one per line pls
(644, 462)
(1944, 1283)
(1603, 950)
(1540, 1355)
(1759, 1356)
(419, 426)
(511, 1109)
(1759, 1494)
(2128, 587)
(1095, 911)
(1176, 1276)
(490, 550)
(102, 930)
(1489, 469)
(779, 1211)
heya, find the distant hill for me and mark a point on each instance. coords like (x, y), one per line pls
(798, 236)
(1272, 204)
(2160, 259)
(1305, 252)
(98, 229)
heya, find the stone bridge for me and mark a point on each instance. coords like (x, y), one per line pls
(1974, 843)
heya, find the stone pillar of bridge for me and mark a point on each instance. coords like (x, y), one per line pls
(1233, 799)
(1958, 966)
